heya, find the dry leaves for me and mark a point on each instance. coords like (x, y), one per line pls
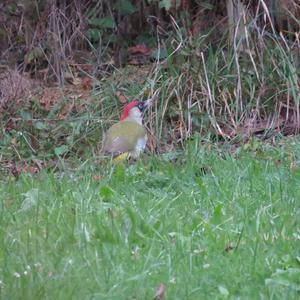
(15, 88)
(139, 54)
(24, 167)
(50, 97)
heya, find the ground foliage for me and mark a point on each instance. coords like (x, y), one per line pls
(69, 66)
(208, 223)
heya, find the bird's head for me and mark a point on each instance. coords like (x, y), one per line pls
(134, 110)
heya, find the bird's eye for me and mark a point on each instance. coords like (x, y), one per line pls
(141, 106)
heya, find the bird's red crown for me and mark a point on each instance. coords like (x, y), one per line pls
(127, 109)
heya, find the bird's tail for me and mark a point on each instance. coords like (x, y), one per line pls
(118, 159)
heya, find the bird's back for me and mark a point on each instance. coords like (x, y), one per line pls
(122, 137)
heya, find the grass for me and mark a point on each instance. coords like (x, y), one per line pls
(211, 224)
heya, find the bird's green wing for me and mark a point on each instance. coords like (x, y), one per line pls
(122, 137)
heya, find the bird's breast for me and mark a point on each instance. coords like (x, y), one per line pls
(141, 143)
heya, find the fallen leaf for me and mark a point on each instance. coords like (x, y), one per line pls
(97, 177)
(160, 292)
(33, 170)
(223, 291)
(294, 166)
(50, 97)
(76, 81)
(146, 92)
(61, 116)
(122, 99)
(277, 162)
(86, 83)
(29, 168)
(139, 55)
(13, 168)
(229, 248)
(139, 49)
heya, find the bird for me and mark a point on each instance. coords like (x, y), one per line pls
(128, 137)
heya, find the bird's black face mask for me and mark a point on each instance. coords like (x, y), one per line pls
(142, 106)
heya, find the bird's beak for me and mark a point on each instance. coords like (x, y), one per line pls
(148, 103)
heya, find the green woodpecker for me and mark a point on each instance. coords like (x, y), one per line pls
(128, 137)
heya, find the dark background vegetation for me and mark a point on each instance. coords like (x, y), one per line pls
(224, 69)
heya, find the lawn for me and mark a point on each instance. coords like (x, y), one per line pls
(210, 222)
